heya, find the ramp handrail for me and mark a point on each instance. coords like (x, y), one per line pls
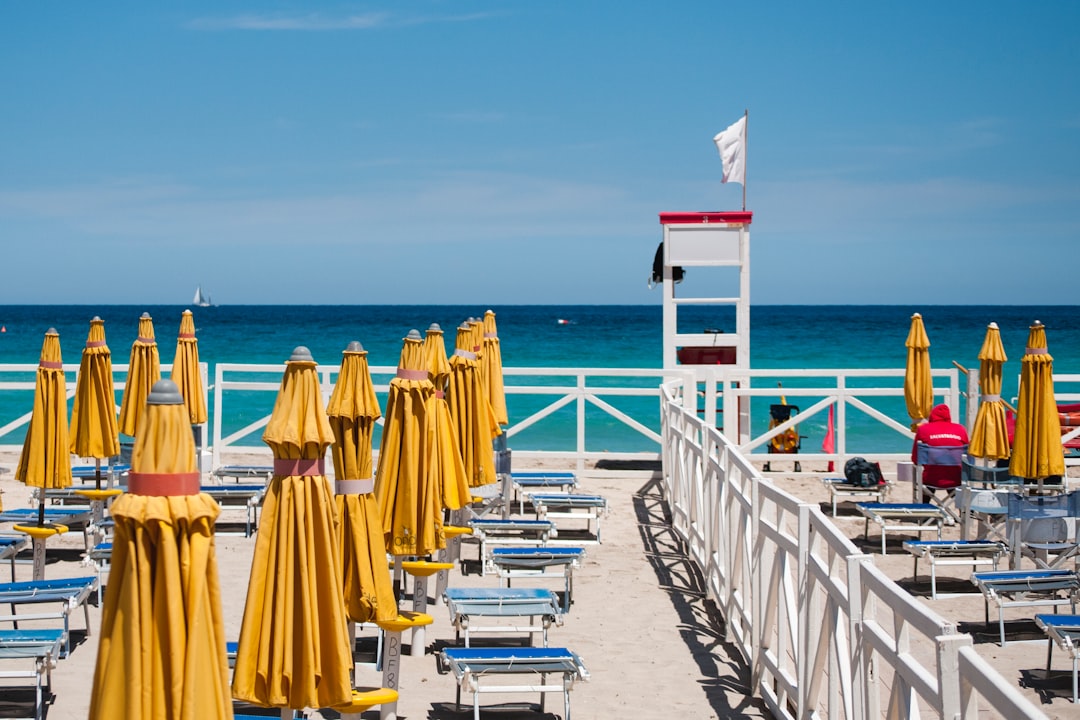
(824, 631)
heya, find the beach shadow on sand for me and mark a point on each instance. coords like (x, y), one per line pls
(725, 678)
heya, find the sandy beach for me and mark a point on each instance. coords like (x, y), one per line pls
(652, 643)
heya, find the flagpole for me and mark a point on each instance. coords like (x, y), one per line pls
(746, 129)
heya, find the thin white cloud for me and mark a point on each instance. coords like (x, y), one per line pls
(310, 22)
(317, 22)
(458, 207)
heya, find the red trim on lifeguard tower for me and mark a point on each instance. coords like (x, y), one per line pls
(732, 217)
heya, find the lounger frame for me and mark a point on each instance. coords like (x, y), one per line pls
(70, 593)
(975, 553)
(1063, 631)
(488, 532)
(512, 563)
(1026, 588)
(903, 517)
(539, 605)
(477, 668)
(43, 645)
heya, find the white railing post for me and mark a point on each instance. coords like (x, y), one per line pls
(219, 388)
(948, 675)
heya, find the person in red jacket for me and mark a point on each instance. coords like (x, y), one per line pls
(939, 431)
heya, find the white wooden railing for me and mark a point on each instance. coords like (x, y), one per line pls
(592, 395)
(17, 382)
(824, 631)
(554, 388)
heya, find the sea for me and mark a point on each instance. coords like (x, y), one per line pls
(584, 336)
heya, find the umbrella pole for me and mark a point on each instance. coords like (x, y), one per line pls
(97, 472)
(399, 591)
(41, 510)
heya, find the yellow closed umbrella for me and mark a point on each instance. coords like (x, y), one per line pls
(990, 436)
(45, 462)
(353, 410)
(94, 431)
(185, 370)
(493, 369)
(411, 514)
(1037, 452)
(470, 408)
(294, 647)
(144, 369)
(162, 649)
(918, 383)
(447, 466)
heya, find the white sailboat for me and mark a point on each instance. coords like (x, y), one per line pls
(201, 300)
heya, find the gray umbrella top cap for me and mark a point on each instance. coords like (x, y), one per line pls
(96, 318)
(464, 326)
(354, 347)
(145, 316)
(414, 334)
(301, 354)
(51, 331)
(434, 327)
(165, 392)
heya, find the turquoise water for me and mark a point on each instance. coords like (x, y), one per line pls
(782, 337)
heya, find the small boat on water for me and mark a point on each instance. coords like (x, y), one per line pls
(201, 300)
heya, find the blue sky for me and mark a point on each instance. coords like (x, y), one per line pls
(519, 152)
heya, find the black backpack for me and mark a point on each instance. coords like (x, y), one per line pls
(860, 471)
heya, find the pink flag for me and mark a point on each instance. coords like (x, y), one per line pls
(828, 445)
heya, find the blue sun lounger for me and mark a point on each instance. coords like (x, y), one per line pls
(903, 517)
(540, 604)
(248, 497)
(43, 646)
(954, 552)
(1063, 631)
(70, 593)
(571, 506)
(476, 669)
(245, 472)
(1026, 588)
(10, 547)
(509, 532)
(526, 562)
(525, 482)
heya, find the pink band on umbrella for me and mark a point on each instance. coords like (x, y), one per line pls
(491, 335)
(991, 398)
(163, 484)
(465, 354)
(1036, 351)
(186, 336)
(299, 467)
(51, 365)
(354, 487)
(440, 394)
(95, 343)
(412, 374)
(148, 340)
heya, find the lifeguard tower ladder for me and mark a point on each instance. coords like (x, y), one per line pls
(708, 239)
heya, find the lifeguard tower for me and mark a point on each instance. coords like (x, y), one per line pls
(706, 239)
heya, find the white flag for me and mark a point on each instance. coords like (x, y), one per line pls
(732, 146)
